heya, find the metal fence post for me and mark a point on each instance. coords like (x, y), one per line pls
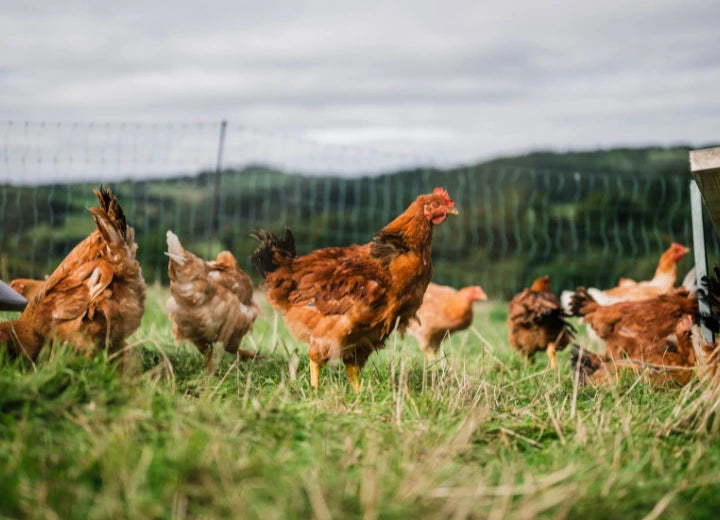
(215, 206)
(699, 250)
(705, 170)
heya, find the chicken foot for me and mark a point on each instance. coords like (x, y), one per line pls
(314, 374)
(353, 374)
(552, 355)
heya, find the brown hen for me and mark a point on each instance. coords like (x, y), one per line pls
(345, 301)
(444, 310)
(662, 282)
(667, 360)
(633, 328)
(210, 301)
(94, 299)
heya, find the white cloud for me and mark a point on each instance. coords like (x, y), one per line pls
(454, 81)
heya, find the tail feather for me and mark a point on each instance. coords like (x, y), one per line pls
(110, 219)
(565, 299)
(601, 298)
(111, 207)
(580, 299)
(175, 249)
(273, 251)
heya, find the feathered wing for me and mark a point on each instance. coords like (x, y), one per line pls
(226, 272)
(602, 319)
(335, 280)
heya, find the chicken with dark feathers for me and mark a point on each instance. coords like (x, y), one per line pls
(537, 322)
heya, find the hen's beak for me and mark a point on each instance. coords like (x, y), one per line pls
(452, 211)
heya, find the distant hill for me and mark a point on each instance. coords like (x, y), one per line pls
(583, 217)
(637, 161)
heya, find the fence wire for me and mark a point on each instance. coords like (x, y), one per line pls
(582, 228)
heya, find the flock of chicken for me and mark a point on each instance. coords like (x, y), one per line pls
(650, 326)
(344, 302)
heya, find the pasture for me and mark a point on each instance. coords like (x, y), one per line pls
(478, 434)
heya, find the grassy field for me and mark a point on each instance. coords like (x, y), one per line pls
(479, 434)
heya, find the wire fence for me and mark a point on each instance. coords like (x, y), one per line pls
(581, 227)
(61, 152)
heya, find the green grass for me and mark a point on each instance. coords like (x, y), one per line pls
(479, 434)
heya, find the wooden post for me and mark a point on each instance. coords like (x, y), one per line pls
(699, 249)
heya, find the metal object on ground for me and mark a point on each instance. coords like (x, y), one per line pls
(10, 300)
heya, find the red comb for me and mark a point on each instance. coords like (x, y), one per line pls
(444, 194)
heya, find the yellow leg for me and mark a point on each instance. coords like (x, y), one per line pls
(552, 355)
(314, 374)
(431, 355)
(353, 374)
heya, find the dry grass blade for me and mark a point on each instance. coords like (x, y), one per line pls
(554, 420)
(521, 437)
(315, 495)
(224, 377)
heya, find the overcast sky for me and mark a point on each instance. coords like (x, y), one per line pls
(451, 80)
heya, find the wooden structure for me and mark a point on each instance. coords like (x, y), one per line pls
(705, 170)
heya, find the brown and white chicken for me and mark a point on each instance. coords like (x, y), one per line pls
(210, 302)
(660, 337)
(633, 328)
(444, 310)
(628, 290)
